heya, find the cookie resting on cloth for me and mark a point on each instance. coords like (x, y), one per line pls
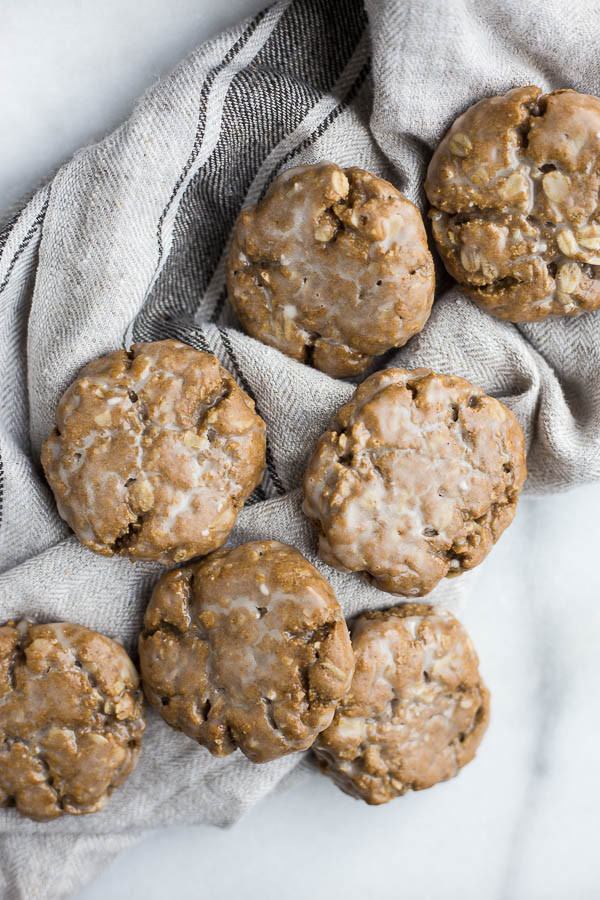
(71, 718)
(416, 479)
(248, 648)
(331, 267)
(416, 710)
(154, 453)
(514, 189)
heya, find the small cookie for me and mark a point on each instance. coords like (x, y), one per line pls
(331, 267)
(154, 453)
(71, 718)
(416, 710)
(514, 188)
(417, 478)
(249, 649)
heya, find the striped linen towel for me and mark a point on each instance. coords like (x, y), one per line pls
(128, 243)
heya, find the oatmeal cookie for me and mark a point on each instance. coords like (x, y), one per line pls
(331, 267)
(514, 188)
(416, 479)
(416, 710)
(71, 718)
(154, 453)
(249, 649)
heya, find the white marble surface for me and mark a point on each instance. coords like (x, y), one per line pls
(522, 821)
(71, 70)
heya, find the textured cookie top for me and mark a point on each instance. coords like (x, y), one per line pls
(71, 718)
(154, 452)
(331, 267)
(416, 710)
(514, 185)
(417, 478)
(246, 649)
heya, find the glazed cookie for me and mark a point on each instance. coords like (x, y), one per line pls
(331, 267)
(416, 710)
(249, 649)
(71, 718)
(514, 188)
(417, 477)
(154, 453)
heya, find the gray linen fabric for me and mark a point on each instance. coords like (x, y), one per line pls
(128, 242)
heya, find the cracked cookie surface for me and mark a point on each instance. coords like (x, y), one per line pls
(416, 479)
(248, 648)
(416, 710)
(514, 188)
(331, 267)
(71, 718)
(154, 453)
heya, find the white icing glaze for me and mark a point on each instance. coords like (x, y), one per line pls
(401, 699)
(548, 186)
(205, 459)
(395, 497)
(340, 263)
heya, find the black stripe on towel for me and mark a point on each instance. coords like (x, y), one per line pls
(24, 243)
(5, 232)
(303, 145)
(266, 101)
(301, 61)
(200, 129)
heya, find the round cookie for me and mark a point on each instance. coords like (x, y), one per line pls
(331, 267)
(416, 479)
(416, 710)
(514, 188)
(154, 453)
(249, 649)
(71, 718)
